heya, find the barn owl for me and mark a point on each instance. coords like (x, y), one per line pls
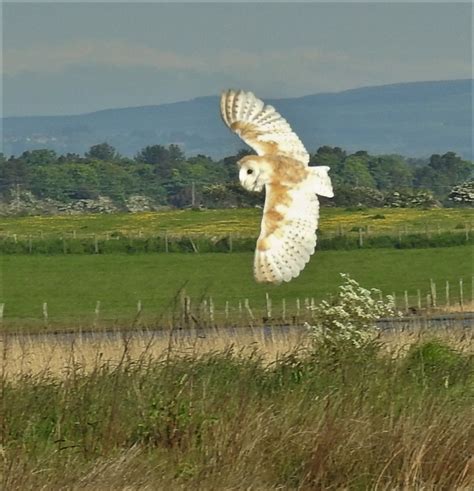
(290, 216)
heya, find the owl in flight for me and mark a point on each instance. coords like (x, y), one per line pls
(290, 215)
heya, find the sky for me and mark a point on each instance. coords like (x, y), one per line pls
(72, 58)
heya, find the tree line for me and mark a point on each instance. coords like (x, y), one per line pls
(166, 175)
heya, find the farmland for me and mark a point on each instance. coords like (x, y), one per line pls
(244, 222)
(72, 284)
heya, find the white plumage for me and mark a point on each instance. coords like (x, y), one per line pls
(290, 216)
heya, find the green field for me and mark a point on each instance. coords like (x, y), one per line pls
(245, 222)
(72, 285)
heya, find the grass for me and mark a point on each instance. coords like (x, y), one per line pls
(245, 222)
(72, 285)
(229, 419)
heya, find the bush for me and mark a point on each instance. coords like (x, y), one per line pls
(349, 319)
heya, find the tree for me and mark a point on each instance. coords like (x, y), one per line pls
(102, 151)
(153, 154)
(355, 172)
(164, 160)
(391, 172)
(442, 173)
(331, 156)
(39, 157)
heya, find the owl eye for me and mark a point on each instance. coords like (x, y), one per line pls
(249, 171)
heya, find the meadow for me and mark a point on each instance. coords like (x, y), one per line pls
(275, 414)
(239, 222)
(73, 284)
(221, 408)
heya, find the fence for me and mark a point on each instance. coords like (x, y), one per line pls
(189, 312)
(110, 243)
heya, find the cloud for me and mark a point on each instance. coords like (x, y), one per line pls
(51, 58)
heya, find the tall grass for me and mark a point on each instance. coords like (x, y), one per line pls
(233, 418)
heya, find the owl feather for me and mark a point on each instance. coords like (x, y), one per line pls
(290, 217)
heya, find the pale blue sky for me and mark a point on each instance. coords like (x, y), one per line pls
(66, 58)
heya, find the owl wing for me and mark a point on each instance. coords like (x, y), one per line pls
(261, 126)
(288, 232)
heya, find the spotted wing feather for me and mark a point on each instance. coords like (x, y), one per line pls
(286, 244)
(261, 126)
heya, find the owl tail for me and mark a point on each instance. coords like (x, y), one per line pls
(321, 182)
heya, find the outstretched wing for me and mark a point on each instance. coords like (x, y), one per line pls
(288, 233)
(261, 126)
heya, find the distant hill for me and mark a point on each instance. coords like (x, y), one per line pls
(412, 119)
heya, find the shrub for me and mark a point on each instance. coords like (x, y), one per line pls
(349, 319)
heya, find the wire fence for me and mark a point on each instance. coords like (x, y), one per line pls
(447, 298)
(75, 242)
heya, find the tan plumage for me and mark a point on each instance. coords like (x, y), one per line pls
(290, 216)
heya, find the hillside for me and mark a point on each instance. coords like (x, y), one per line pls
(412, 119)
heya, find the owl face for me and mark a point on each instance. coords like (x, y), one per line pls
(253, 174)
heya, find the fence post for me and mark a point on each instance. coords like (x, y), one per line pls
(406, 300)
(205, 310)
(268, 303)
(211, 310)
(45, 312)
(2, 308)
(298, 308)
(461, 294)
(166, 241)
(187, 310)
(247, 308)
(283, 309)
(193, 245)
(447, 293)
(433, 292)
(226, 310)
(361, 240)
(139, 307)
(96, 244)
(472, 289)
(418, 293)
(97, 312)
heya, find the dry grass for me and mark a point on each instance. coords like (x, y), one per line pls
(55, 354)
(34, 355)
(236, 412)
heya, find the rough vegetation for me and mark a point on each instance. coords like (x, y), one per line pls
(315, 418)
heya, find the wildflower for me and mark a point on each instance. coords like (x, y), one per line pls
(351, 317)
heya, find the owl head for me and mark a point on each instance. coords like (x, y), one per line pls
(254, 172)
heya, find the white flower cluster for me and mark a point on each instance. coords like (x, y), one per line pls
(350, 317)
